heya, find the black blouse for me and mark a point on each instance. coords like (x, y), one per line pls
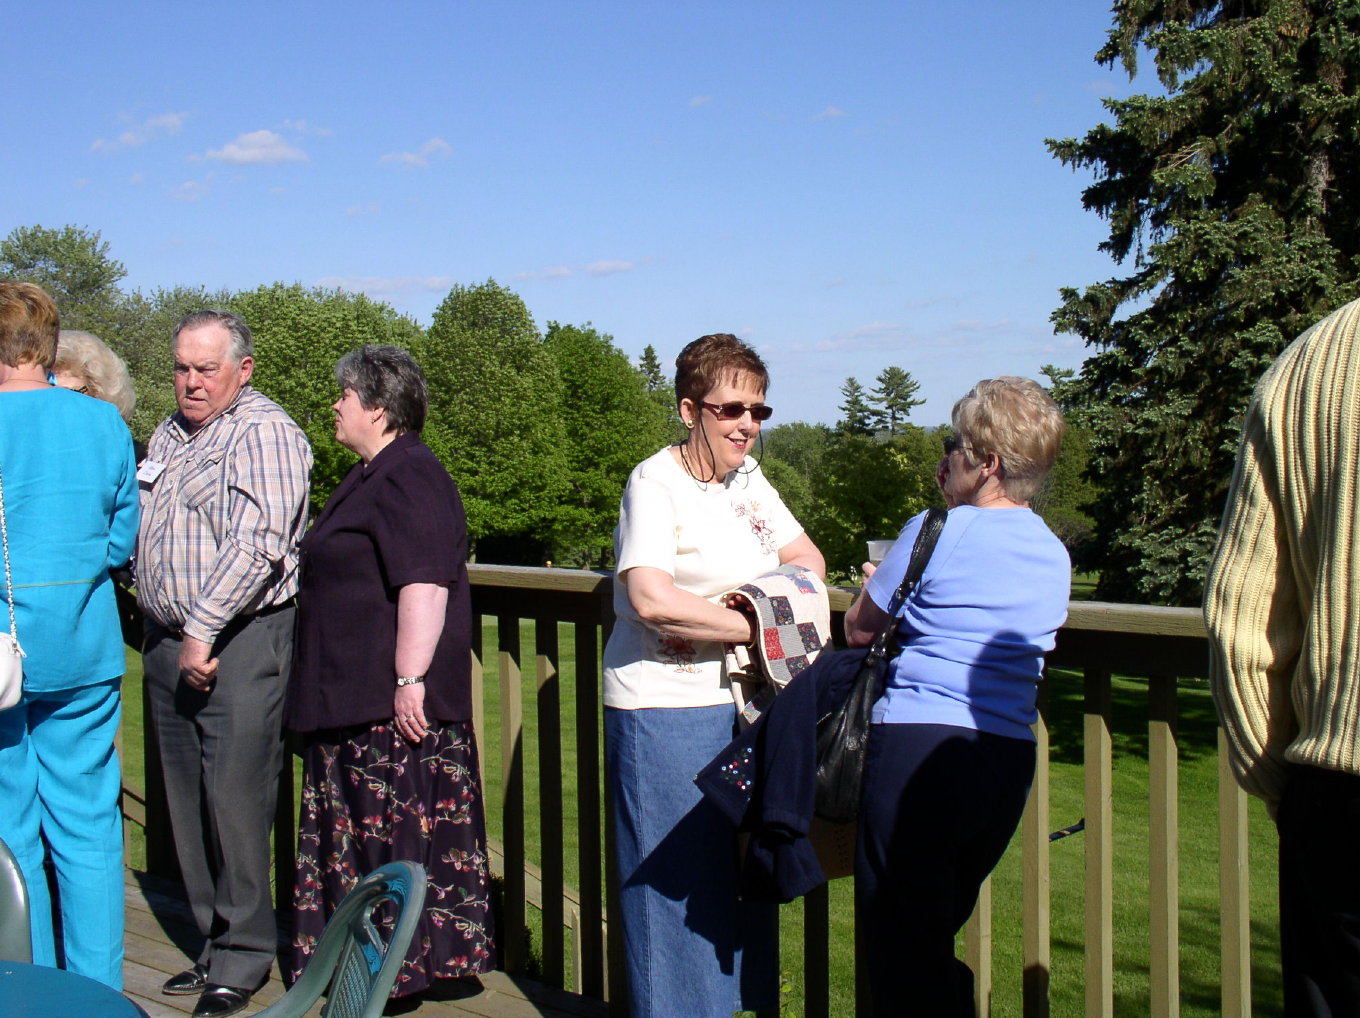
(397, 521)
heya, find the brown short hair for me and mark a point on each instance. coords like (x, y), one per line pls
(1018, 420)
(28, 325)
(705, 363)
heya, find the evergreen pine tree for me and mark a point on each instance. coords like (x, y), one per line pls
(894, 399)
(1233, 204)
(856, 415)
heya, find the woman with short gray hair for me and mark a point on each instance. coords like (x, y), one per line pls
(381, 686)
(84, 363)
(951, 751)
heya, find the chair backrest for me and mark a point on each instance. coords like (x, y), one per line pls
(16, 934)
(352, 958)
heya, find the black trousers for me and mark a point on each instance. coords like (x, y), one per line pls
(1319, 824)
(939, 806)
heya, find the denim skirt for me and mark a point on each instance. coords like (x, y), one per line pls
(694, 949)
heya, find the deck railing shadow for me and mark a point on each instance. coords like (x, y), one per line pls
(539, 724)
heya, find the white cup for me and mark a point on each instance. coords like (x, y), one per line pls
(878, 550)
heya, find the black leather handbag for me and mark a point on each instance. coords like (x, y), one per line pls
(843, 734)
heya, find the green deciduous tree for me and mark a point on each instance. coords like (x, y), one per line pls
(857, 417)
(1233, 201)
(73, 265)
(610, 420)
(496, 416)
(847, 489)
(893, 399)
(300, 333)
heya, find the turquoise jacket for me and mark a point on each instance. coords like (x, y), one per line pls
(69, 482)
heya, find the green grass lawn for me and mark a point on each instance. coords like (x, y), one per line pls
(1198, 858)
(1084, 586)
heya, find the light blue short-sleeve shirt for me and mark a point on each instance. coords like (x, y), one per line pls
(974, 635)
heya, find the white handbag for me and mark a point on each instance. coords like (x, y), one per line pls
(11, 654)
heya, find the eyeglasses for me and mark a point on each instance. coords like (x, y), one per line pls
(733, 411)
(952, 442)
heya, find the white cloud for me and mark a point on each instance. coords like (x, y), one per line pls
(829, 113)
(609, 268)
(553, 272)
(701, 100)
(190, 190)
(362, 210)
(257, 148)
(140, 133)
(606, 267)
(302, 127)
(435, 148)
(387, 285)
(136, 179)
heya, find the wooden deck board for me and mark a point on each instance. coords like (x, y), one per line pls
(161, 940)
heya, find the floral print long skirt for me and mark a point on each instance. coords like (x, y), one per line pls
(370, 797)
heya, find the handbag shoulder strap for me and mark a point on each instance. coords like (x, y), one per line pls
(926, 539)
(9, 583)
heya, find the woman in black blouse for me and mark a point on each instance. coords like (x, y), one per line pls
(381, 684)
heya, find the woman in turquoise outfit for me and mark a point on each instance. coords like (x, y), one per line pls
(69, 487)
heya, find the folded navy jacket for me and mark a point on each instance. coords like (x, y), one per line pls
(764, 781)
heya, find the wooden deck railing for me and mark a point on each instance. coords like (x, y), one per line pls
(540, 737)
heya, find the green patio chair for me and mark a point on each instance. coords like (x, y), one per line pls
(351, 957)
(16, 935)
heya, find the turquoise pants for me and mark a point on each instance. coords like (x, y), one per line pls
(59, 779)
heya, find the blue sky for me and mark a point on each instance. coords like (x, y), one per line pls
(847, 186)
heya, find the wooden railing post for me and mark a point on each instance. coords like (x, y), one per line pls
(590, 833)
(514, 950)
(1163, 848)
(977, 950)
(1097, 757)
(1037, 878)
(1234, 883)
(549, 701)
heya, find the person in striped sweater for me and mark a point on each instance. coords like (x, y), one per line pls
(1284, 630)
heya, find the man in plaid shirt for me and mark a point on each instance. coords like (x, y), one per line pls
(224, 504)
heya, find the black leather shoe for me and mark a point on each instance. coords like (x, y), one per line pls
(191, 980)
(220, 1001)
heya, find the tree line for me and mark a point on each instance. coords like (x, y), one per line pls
(539, 429)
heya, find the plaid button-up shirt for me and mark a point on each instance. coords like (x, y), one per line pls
(222, 521)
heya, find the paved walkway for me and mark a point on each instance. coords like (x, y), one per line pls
(161, 940)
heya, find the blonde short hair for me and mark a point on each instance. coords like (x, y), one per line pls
(1016, 419)
(85, 355)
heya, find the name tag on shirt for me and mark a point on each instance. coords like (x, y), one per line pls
(149, 471)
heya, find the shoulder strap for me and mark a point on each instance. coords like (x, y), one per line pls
(926, 539)
(9, 582)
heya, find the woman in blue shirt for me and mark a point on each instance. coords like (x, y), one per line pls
(70, 501)
(951, 753)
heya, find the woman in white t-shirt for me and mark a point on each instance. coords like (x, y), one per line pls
(697, 519)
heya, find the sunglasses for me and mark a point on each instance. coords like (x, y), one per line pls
(951, 442)
(733, 411)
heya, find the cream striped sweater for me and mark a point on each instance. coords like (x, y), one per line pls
(1280, 602)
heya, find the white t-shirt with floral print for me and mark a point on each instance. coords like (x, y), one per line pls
(710, 538)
